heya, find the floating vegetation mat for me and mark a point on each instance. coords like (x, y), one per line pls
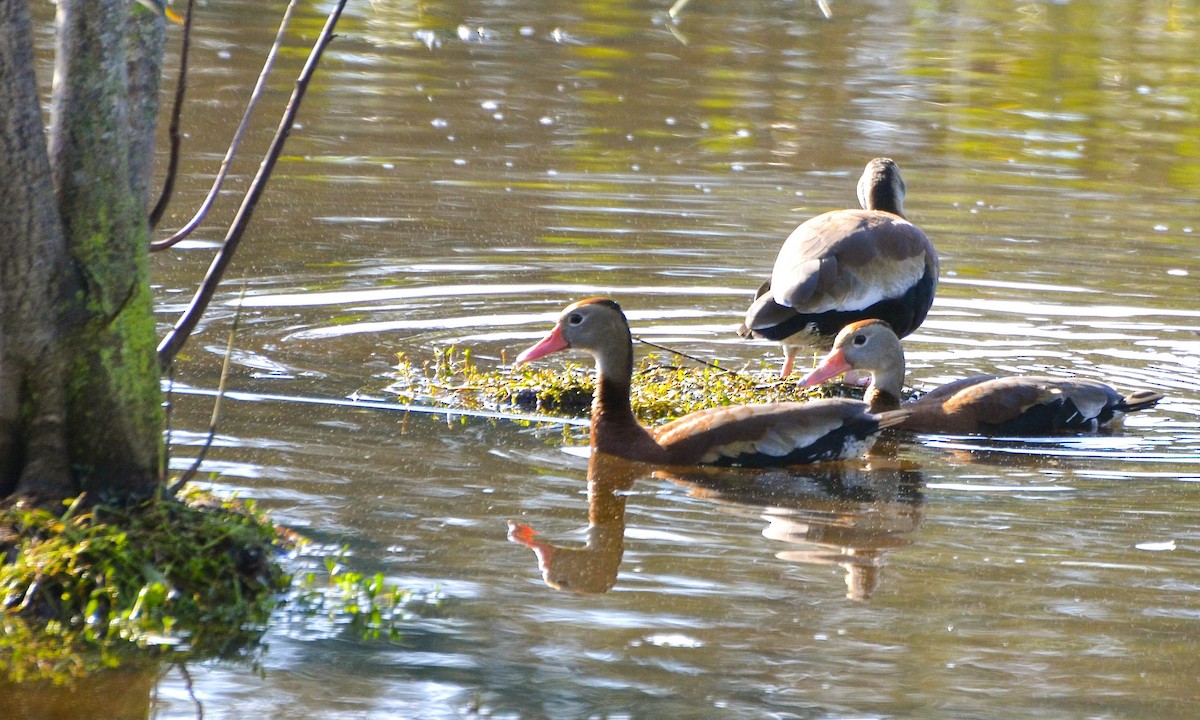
(662, 389)
(337, 600)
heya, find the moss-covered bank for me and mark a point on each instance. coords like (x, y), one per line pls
(82, 586)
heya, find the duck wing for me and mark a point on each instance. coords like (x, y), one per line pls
(850, 260)
(1027, 405)
(773, 435)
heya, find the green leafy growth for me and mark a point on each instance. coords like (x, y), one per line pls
(82, 589)
(662, 390)
(366, 605)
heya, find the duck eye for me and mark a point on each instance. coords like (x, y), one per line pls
(575, 319)
(860, 339)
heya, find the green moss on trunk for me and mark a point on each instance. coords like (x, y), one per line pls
(114, 416)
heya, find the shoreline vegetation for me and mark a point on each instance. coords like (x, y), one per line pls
(87, 588)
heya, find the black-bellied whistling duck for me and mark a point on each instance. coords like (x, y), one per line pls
(848, 265)
(771, 435)
(981, 405)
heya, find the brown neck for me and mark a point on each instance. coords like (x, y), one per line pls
(611, 402)
(614, 426)
(887, 379)
(881, 400)
(615, 429)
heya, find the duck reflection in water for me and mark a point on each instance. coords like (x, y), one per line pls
(593, 567)
(847, 514)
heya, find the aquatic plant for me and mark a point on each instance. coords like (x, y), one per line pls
(662, 389)
(366, 605)
(82, 586)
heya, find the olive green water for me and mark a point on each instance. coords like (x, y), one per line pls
(462, 170)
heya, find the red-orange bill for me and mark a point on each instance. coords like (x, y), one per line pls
(552, 343)
(833, 365)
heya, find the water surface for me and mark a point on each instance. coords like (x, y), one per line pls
(463, 170)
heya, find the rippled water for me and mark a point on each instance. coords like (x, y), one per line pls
(465, 169)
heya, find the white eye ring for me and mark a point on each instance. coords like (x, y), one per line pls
(575, 319)
(860, 339)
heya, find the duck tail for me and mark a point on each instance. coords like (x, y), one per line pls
(891, 418)
(1140, 400)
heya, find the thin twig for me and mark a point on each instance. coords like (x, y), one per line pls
(216, 411)
(165, 467)
(191, 690)
(231, 152)
(680, 353)
(178, 335)
(677, 8)
(175, 135)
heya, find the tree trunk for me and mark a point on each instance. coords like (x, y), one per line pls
(147, 38)
(80, 402)
(33, 278)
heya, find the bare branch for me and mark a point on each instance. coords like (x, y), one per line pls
(173, 133)
(231, 152)
(216, 411)
(178, 335)
(682, 354)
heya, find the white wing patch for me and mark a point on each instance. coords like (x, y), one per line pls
(855, 288)
(1090, 404)
(856, 446)
(777, 441)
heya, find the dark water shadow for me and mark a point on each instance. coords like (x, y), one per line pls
(849, 514)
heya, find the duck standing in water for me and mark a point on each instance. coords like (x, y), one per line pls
(848, 265)
(981, 405)
(764, 435)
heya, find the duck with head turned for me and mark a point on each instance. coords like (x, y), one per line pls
(980, 405)
(773, 435)
(848, 265)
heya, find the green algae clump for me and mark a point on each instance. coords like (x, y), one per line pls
(662, 389)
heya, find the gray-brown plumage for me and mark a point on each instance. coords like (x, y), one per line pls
(985, 404)
(736, 435)
(848, 265)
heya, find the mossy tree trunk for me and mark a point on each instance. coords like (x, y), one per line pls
(80, 401)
